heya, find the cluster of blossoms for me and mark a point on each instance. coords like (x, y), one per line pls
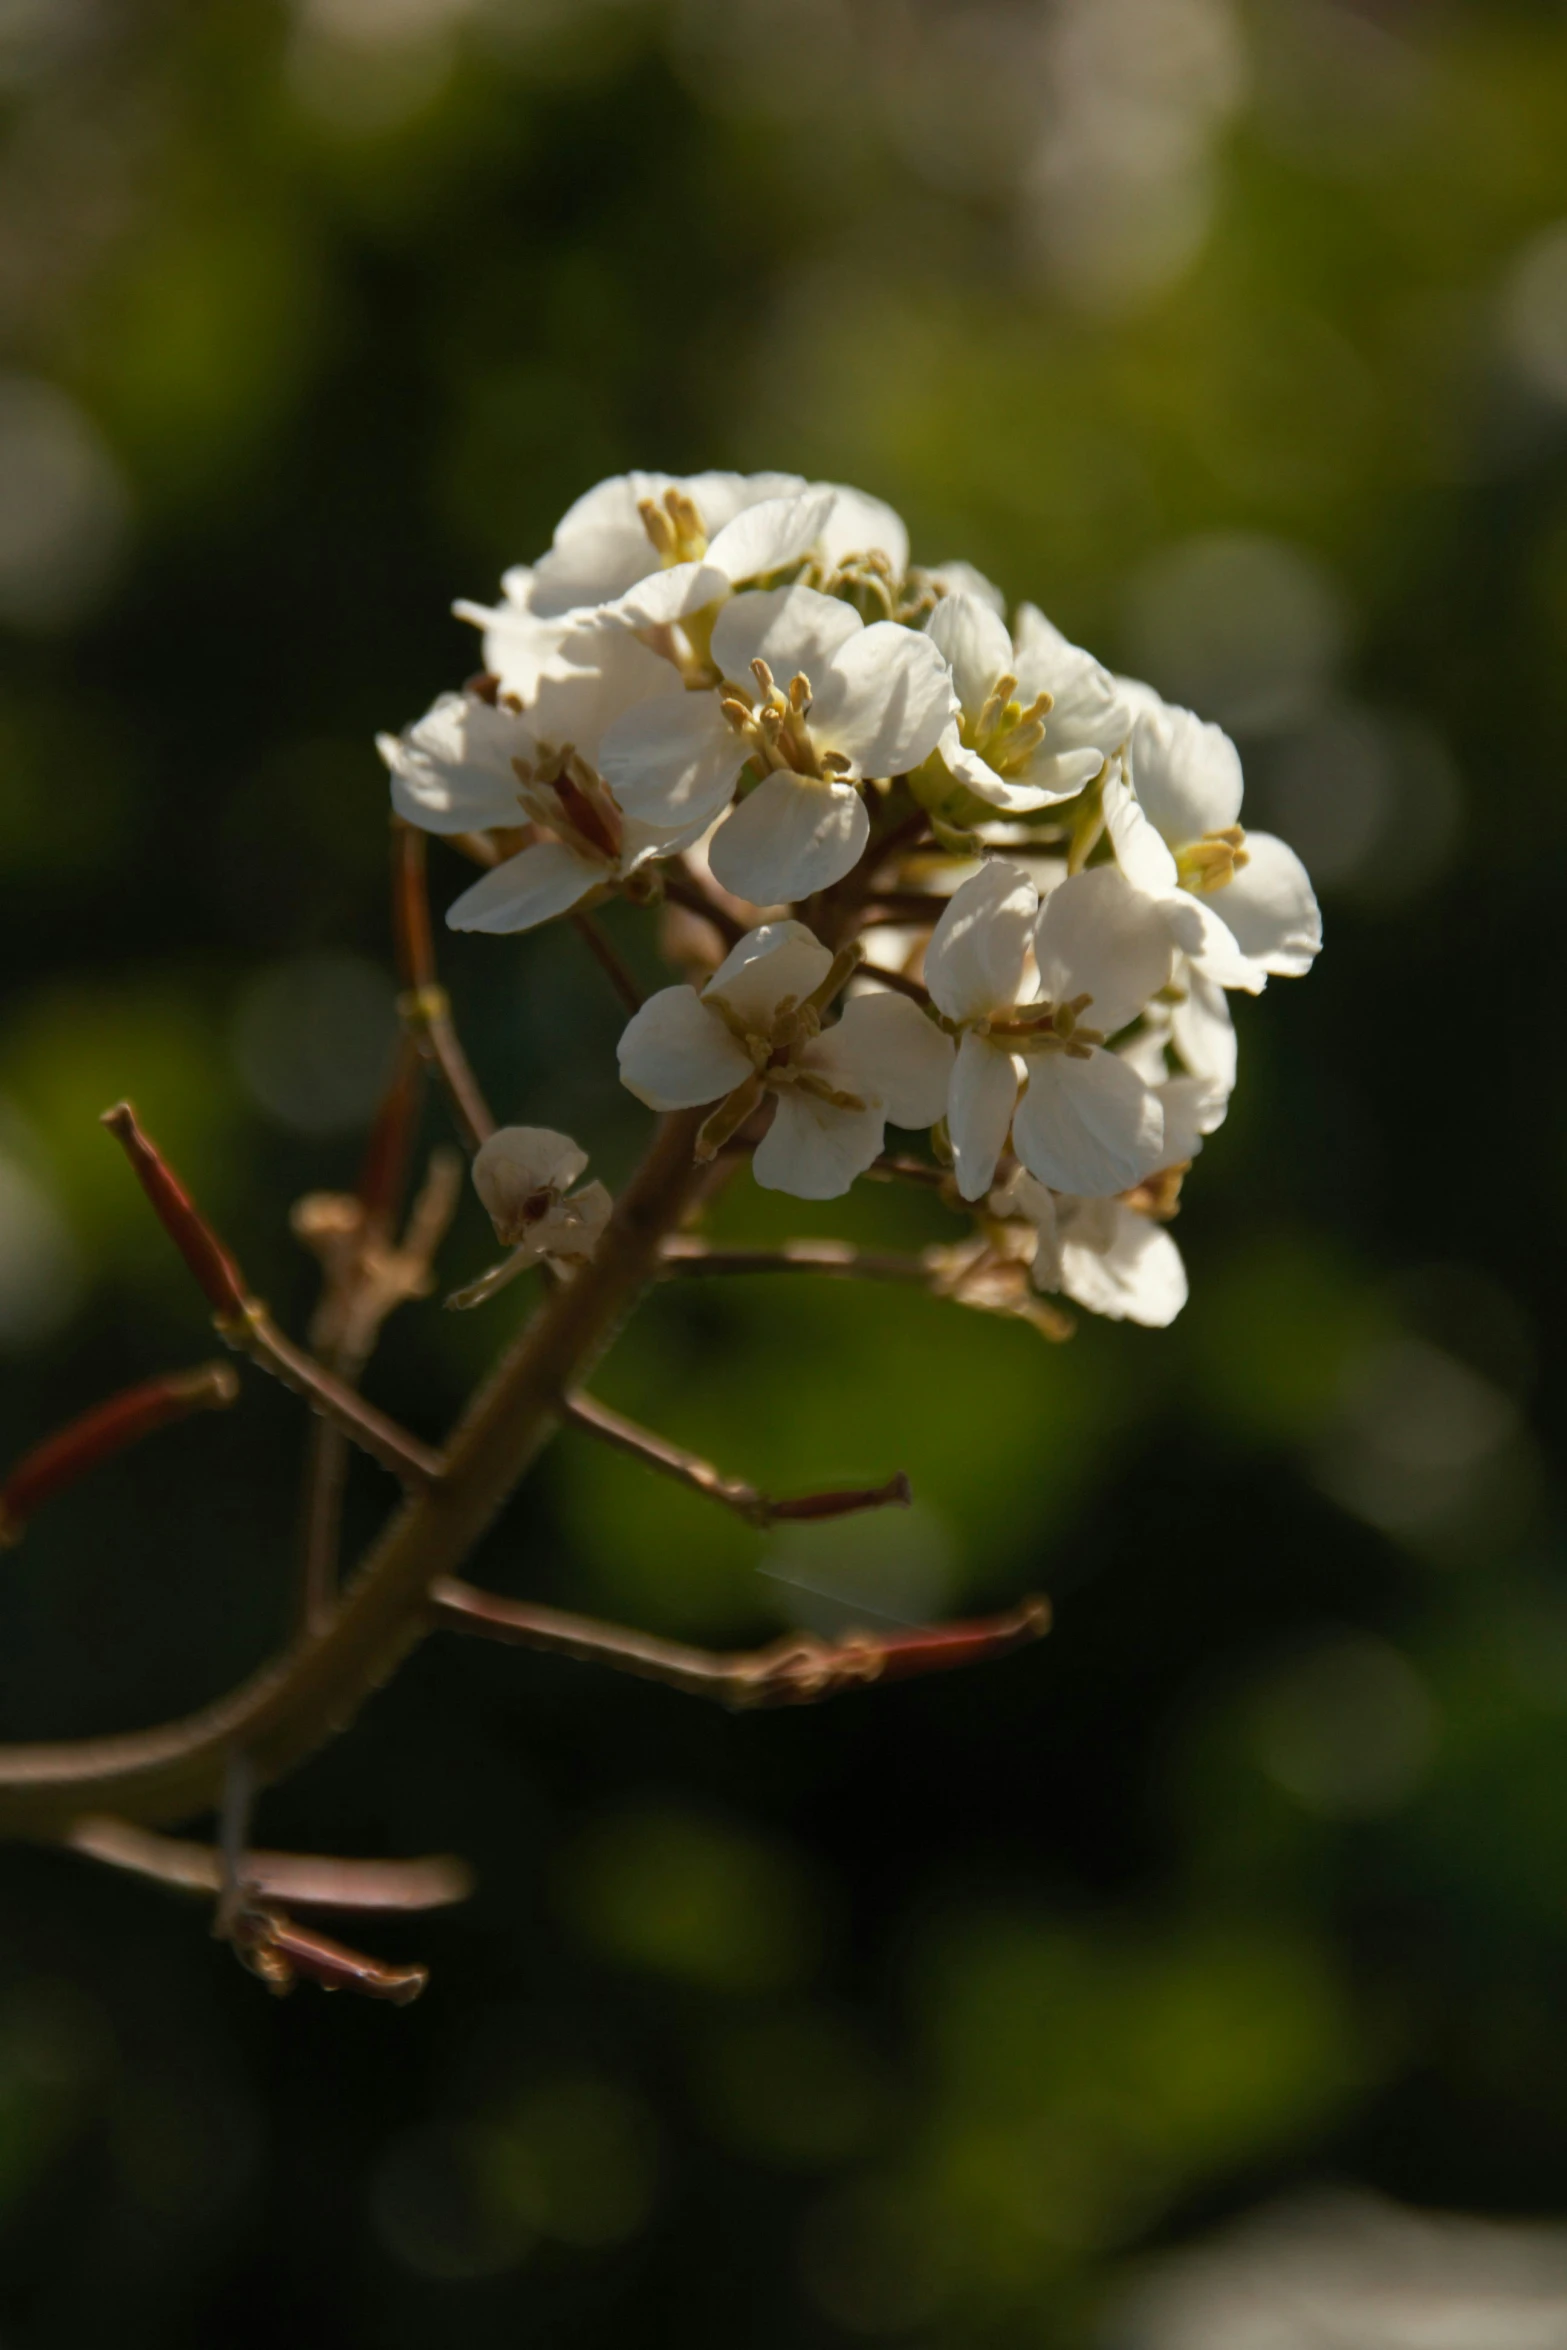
(920, 867)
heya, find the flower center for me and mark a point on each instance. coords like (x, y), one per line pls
(776, 1052)
(774, 724)
(1043, 1028)
(1005, 734)
(564, 794)
(1212, 862)
(675, 528)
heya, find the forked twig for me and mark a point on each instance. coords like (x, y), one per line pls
(243, 1321)
(699, 1476)
(797, 1670)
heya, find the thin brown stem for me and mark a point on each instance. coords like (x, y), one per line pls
(68, 1455)
(424, 1003)
(308, 1880)
(898, 981)
(685, 1256)
(243, 1321)
(683, 889)
(608, 959)
(699, 1476)
(797, 1670)
(295, 1703)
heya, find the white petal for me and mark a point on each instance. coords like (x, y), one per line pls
(790, 836)
(1271, 908)
(884, 701)
(860, 525)
(886, 1050)
(573, 1229)
(1193, 1107)
(984, 1096)
(958, 578)
(1053, 775)
(1087, 1126)
(813, 1150)
(768, 536)
(790, 629)
(974, 963)
(1099, 936)
(1203, 1033)
(974, 641)
(676, 1053)
(601, 547)
(452, 769)
(1090, 708)
(1040, 784)
(1142, 854)
(519, 647)
(1139, 1278)
(1187, 775)
(672, 761)
(528, 889)
(514, 1163)
(669, 595)
(603, 674)
(1201, 932)
(777, 960)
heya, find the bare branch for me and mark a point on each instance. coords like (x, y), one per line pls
(424, 1003)
(305, 1696)
(243, 1322)
(898, 981)
(123, 1419)
(685, 1256)
(308, 1880)
(689, 1469)
(798, 1670)
(683, 887)
(608, 959)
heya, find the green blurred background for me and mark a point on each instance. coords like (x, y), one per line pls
(1236, 335)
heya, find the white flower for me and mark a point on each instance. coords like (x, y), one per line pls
(1087, 1122)
(858, 702)
(630, 529)
(520, 647)
(756, 1028)
(657, 549)
(1174, 822)
(1107, 1255)
(524, 1174)
(1037, 718)
(475, 763)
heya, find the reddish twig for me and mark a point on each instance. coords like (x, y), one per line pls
(424, 1003)
(284, 1953)
(690, 1470)
(797, 1670)
(244, 1322)
(61, 1459)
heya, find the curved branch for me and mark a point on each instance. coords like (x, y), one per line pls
(302, 1698)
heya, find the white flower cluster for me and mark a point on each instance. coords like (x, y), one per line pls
(969, 881)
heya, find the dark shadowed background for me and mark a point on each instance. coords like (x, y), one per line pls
(1234, 334)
